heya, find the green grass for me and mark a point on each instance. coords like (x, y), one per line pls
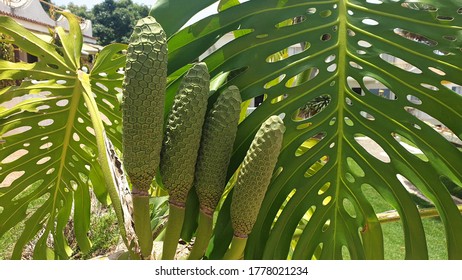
(394, 235)
(104, 235)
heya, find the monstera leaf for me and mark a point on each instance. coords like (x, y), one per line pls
(51, 133)
(349, 50)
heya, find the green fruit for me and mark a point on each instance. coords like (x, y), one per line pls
(183, 134)
(143, 102)
(255, 175)
(216, 147)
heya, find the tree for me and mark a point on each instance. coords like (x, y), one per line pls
(316, 205)
(113, 21)
(79, 10)
(6, 53)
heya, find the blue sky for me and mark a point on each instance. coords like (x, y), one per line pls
(91, 3)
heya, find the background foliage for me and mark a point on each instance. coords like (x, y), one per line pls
(112, 21)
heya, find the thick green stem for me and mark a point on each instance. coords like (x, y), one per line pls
(203, 234)
(393, 216)
(173, 231)
(236, 251)
(142, 220)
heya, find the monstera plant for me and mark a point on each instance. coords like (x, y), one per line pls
(56, 145)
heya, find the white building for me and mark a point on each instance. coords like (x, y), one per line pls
(32, 16)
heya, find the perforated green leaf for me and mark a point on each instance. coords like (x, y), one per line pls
(48, 155)
(379, 63)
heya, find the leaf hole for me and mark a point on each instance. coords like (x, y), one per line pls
(398, 62)
(437, 71)
(354, 167)
(105, 119)
(348, 101)
(317, 252)
(445, 18)
(349, 177)
(312, 108)
(108, 103)
(415, 37)
(50, 171)
(75, 137)
(43, 160)
(324, 188)
(349, 207)
(409, 146)
(367, 116)
(355, 65)
(326, 225)
(348, 121)
(46, 146)
(326, 13)
(332, 68)
(288, 51)
(376, 2)
(75, 158)
(103, 87)
(46, 122)
(450, 38)
(274, 81)
(315, 167)
(16, 131)
(61, 82)
(414, 99)
(326, 200)
(364, 44)
(90, 130)
(62, 103)
(345, 252)
(311, 11)
(290, 21)
(369, 21)
(279, 98)
(54, 66)
(330, 58)
(332, 121)
(309, 143)
(332, 145)
(430, 87)
(302, 77)
(372, 148)
(74, 185)
(377, 88)
(11, 177)
(304, 125)
(28, 191)
(43, 107)
(442, 53)
(452, 86)
(351, 33)
(419, 6)
(415, 193)
(15, 156)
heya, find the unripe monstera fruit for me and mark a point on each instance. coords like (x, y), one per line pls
(143, 102)
(255, 175)
(183, 134)
(216, 147)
